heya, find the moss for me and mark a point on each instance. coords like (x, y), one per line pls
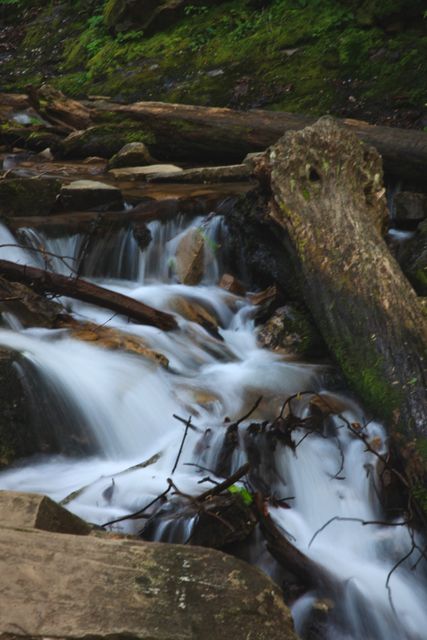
(28, 196)
(298, 56)
(105, 140)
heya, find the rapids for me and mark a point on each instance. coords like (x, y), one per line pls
(126, 405)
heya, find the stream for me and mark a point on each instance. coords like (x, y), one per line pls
(125, 405)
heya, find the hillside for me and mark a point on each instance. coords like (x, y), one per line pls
(367, 60)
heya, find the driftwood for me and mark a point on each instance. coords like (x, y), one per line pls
(47, 282)
(194, 133)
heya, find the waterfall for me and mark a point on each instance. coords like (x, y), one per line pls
(126, 404)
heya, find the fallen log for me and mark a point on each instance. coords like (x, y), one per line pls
(323, 193)
(327, 196)
(47, 282)
(207, 134)
(86, 221)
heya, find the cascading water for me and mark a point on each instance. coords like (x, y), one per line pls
(126, 404)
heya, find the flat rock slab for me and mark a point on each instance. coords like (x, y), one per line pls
(63, 586)
(205, 175)
(31, 510)
(141, 173)
(83, 195)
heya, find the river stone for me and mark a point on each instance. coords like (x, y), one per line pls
(205, 175)
(410, 207)
(291, 332)
(141, 173)
(134, 154)
(190, 256)
(57, 585)
(28, 196)
(31, 510)
(85, 195)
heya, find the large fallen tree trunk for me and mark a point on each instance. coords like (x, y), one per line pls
(194, 133)
(47, 282)
(324, 190)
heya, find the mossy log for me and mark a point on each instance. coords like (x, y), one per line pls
(194, 133)
(45, 281)
(328, 198)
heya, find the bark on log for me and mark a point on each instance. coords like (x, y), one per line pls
(45, 281)
(327, 196)
(193, 133)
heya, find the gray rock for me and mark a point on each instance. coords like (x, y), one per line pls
(413, 259)
(61, 586)
(134, 154)
(85, 195)
(410, 207)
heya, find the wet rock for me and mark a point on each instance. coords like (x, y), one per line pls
(114, 339)
(142, 173)
(142, 234)
(34, 511)
(291, 332)
(85, 195)
(232, 284)
(65, 586)
(189, 257)
(205, 175)
(28, 196)
(30, 308)
(15, 413)
(413, 259)
(134, 154)
(410, 207)
(195, 312)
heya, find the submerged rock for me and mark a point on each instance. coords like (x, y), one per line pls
(84, 195)
(28, 196)
(98, 586)
(134, 154)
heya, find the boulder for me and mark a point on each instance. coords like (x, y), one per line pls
(86, 195)
(205, 175)
(28, 196)
(291, 332)
(410, 207)
(56, 585)
(190, 256)
(31, 510)
(29, 307)
(195, 312)
(134, 154)
(143, 173)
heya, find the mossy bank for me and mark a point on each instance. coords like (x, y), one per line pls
(350, 58)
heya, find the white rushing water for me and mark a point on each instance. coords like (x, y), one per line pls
(127, 404)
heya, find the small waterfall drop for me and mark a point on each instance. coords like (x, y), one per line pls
(126, 404)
